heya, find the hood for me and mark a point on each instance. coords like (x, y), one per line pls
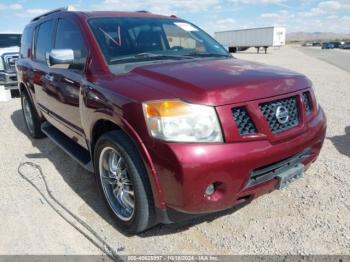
(11, 49)
(220, 81)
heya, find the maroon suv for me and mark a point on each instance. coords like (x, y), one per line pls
(171, 124)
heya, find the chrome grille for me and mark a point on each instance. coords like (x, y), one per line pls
(244, 123)
(10, 62)
(269, 111)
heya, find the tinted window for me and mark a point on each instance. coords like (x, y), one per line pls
(68, 36)
(7, 40)
(44, 40)
(26, 41)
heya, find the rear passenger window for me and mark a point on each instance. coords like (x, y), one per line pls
(44, 40)
(68, 36)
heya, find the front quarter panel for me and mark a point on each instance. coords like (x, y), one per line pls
(102, 103)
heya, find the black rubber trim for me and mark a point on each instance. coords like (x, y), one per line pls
(170, 215)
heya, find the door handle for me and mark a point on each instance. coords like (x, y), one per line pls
(68, 80)
(49, 77)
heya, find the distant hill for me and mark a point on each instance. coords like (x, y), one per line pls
(305, 36)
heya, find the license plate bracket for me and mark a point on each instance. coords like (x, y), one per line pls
(289, 176)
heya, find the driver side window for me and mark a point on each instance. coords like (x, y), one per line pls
(68, 36)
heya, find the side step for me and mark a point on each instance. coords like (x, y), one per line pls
(78, 153)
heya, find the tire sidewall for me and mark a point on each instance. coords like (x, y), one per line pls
(141, 217)
(24, 95)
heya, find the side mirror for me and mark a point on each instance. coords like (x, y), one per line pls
(60, 58)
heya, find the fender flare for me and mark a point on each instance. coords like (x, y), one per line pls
(158, 195)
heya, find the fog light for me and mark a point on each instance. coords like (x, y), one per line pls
(210, 190)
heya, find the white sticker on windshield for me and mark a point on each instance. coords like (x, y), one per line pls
(185, 26)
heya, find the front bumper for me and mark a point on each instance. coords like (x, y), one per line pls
(185, 170)
(9, 80)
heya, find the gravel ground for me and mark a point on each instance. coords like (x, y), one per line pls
(312, 216)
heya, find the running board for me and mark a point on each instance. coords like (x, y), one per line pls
(78, 153)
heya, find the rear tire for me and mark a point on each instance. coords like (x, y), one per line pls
(31, 117)
(124, 183)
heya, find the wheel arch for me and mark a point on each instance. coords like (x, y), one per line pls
(104, 125)
(23, 88)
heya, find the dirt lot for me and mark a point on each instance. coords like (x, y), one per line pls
(312, 216)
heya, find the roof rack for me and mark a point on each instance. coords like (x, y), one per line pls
(66, 8)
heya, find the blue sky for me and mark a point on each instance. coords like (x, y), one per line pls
(211, 15)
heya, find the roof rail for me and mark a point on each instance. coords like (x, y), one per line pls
(66, 8)
(142, 11)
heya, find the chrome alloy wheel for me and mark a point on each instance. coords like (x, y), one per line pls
(116, 183)
(28, 114)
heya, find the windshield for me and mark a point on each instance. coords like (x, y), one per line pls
(7, 40)
(126, 40)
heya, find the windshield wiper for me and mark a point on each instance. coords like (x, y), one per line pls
(146, 57)
(203, 54)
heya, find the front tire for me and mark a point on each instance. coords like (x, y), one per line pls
(31, 117)
(124, 183)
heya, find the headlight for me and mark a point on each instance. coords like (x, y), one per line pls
(1, 64)
(178, 121)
